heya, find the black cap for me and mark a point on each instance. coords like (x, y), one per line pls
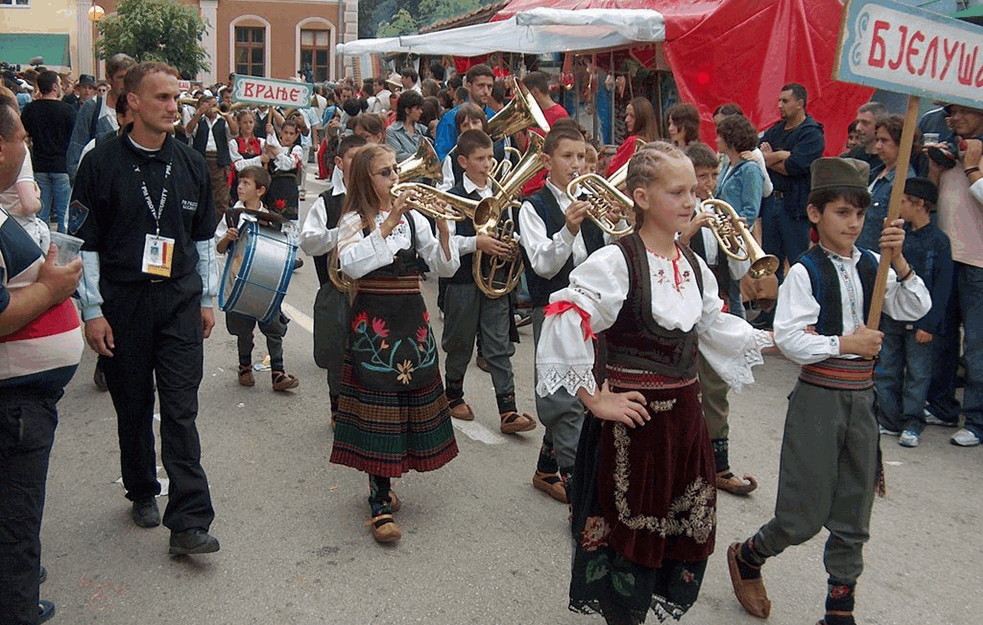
(922, 188)
(86, 80)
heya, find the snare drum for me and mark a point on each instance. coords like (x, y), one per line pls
(257, 272)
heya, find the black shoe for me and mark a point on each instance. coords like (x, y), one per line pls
(99, 378)
(145, 513)
(43, 576)
(46, 610)
(298, 263)
(194, 540)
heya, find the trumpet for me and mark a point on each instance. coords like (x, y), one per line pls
(435, 203)
(734, 239)
(619, 179)
(521, 113)
(603, 198)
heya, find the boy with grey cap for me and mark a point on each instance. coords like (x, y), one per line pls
(829, 464)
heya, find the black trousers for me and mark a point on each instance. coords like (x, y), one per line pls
(27, 430)
(157, 331)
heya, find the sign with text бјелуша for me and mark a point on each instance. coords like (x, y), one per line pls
(901, 48)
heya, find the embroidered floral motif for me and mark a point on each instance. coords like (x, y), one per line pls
(595, 534)
(661, 405)
(280, 204)
(361, 318)
(421, 334)
(405, 369)
(691, 514)
(379, 327)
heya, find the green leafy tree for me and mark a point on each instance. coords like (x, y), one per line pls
(431, 11)
(402, 23)
(156, 30)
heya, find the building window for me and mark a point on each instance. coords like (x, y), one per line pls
(250, 50)
(314, 48)
(15, 3)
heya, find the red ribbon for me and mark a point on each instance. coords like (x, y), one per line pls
(558, 308)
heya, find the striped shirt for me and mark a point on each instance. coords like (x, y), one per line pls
(44, 353)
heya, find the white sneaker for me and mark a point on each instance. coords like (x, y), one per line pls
(965, 438)
(931, 419)
(908, 439)
(883, 431)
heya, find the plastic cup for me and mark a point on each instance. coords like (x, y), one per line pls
(930, 137)
(68, 247)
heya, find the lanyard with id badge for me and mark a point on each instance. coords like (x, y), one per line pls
(158, 251)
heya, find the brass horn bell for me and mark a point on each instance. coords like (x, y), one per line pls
(423, 164)
(521, 113)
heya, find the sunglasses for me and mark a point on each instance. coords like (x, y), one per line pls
(385, 172)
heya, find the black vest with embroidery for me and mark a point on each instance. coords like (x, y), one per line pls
(825, 281)
(333, 205)
(636, 340)
(200, 143)
(465, 228)
(548, 209)
(721, 271)
(498, 152)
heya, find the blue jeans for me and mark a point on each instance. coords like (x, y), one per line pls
(55, 193)
(967, 309)
(901, 379)
(783, 234)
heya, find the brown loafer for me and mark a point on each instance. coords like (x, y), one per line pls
(462, 411)
(384, 529)
(551, 484)
(750, 592)
(513, 422)
(284, 381)
(246, 377)
(734, 485)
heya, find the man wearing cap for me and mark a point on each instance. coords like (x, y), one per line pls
(85, 89)
(829, 466)
(960, 213)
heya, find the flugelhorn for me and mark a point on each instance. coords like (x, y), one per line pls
(602, 198)
(619, 179)
(435, 203)
(521, 113)
(340, 281)
(423, 164)
(735, 240)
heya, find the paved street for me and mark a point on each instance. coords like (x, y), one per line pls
(480, 545)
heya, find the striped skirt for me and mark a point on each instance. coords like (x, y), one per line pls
(387, 433)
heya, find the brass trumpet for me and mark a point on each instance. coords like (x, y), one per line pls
(521, 113)
(435, 203)
(603, 197)
(619, 179)
(423, 164)
(735, 240)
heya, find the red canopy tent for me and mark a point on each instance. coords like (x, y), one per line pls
(743, 51)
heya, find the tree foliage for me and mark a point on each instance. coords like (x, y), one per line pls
(156, 30)
(388, 18)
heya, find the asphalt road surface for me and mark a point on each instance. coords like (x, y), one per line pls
(480, 545)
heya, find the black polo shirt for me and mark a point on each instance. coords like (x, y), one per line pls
(109, 212)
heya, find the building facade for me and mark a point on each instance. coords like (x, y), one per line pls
(271, 38)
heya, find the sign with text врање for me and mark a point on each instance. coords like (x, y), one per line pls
(255, 90)
(901, 48)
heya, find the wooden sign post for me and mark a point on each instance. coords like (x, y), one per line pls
(901, 48)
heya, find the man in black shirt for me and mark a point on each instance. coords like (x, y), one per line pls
(143, 205)
(50, 122)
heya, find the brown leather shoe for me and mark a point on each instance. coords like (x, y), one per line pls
(462, 411)
(750, 592)
(394, 503)
(384, 529)
(551, 484)
(246, 377)
(513, 422)
(726, 480)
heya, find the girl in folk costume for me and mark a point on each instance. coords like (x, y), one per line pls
(392, 415)
(246, 150)
(285, 159)
(642, 492)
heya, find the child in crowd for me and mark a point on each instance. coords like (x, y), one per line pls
(468, 117)
(556, 236)
(285, 157)
(318, 238)
(829, 468)
(716, 407)
(253, 185)
(392, 414)
(467, 310)
(644, 504)
(904, 369)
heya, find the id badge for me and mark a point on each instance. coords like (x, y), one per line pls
(158, 253)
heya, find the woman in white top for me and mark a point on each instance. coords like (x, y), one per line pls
(643, 491)
(392, 414)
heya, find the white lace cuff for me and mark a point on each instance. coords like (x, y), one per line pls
(554, 376)
(736, 372)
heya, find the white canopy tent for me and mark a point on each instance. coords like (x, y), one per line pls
(537, 31)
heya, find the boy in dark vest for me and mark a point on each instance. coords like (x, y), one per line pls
(556, 235)
(467, 310)
(318, 238)
(210, 137)
(829, 464)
